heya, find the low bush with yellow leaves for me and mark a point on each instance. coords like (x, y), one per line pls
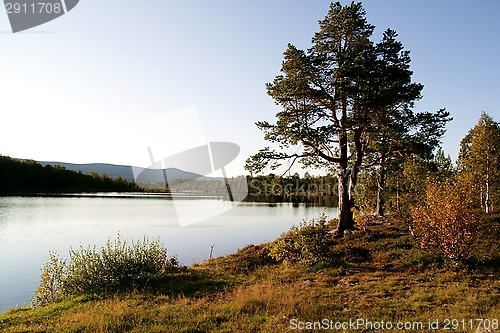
(447, 222)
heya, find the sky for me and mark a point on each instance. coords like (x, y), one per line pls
(111, 78)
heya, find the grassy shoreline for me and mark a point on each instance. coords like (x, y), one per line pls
(378, 274)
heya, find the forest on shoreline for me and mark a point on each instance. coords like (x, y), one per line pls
(29, 176)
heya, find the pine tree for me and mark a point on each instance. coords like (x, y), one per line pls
(333, 99)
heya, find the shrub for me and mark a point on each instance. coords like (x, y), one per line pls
(50, 285)
(447, 223)
(310, 242)
(116, 264)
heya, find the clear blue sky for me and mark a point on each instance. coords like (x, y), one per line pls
(79, 89)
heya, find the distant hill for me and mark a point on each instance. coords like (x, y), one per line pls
(125, 171)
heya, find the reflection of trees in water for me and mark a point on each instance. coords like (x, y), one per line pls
(295, 199)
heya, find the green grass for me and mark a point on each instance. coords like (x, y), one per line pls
(378, 274)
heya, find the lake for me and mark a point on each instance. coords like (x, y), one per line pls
(30, 227)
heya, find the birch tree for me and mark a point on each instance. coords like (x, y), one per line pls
(480, 157)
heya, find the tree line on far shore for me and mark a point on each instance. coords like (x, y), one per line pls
(29, 176)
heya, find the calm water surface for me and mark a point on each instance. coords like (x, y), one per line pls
(32, 226)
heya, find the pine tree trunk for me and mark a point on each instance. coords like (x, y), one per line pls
(344, 206)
